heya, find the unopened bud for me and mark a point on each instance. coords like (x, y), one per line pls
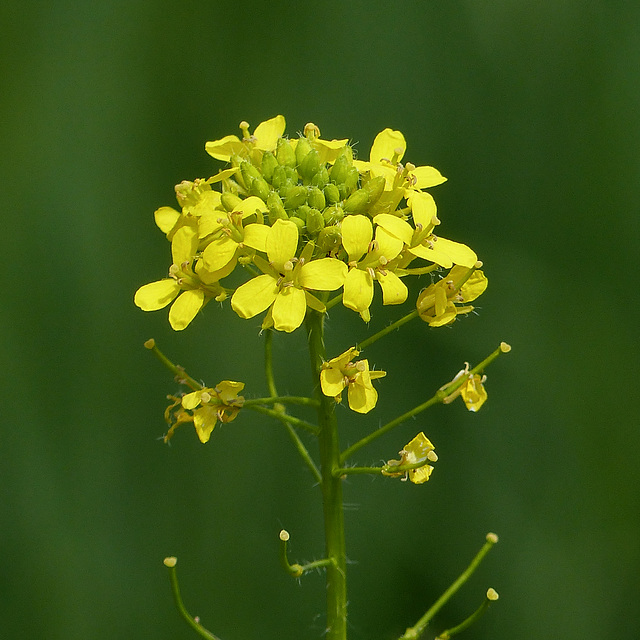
(285, 154)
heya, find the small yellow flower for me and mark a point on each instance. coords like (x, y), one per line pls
(206, 407)
(437, 304)
(419, 451)
(472, 390)
(188, 289)
(341, 372)
(286, 284)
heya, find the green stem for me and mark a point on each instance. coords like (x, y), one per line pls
(336, 576)
(472, 619)
(384, 469)
(194, 623)
(440, 396)
(383, 332)
(305, 402)
(412, 633)
(179, 373)
(284, 418)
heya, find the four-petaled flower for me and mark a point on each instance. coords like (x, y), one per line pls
(472, 389)
(286, 284)
(207, 406)
(341, 372)
(418, 452)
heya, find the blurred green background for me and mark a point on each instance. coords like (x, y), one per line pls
(530, 109)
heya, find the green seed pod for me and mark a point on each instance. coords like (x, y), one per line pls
(321, 178)
(285, 154)
(332, 193)
(340, 169)
(296, 196)
(375, 187)
(333, 214)
(230, 200)
(269, 164)
(299, 222)
(302, 149)
(276, 208)
(329, 239)
(316, 198)
(357, 201)
(315, 222)
(260, 188)
(310, 165)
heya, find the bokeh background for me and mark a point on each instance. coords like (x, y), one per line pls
(530, 109)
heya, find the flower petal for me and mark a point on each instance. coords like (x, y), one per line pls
(254, 296)
(325, 274)
(385, 145)
(219, 253)
(289, 309)
(166, 218)
(282, 242)
(395, 226)
(268, 132)
(427, 177)
(224, 148)
(156, 295)
(357, 233)
(185, 308)
(184, 244)
(358, 290)
(394, 291)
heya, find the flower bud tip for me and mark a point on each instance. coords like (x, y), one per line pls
(504, 347)
(492, 594)
(150, 343)
(284, 535)
(492, 537)
(170, 562)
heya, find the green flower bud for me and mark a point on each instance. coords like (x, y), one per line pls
(333, 214)
(276, 208)
(316, 198)
(269, 164)
(299, 222)
(295, 197)
(357, 201)
(249, 173)
(230, 200)
(302, 211)
(329, 239)
(339, 170)
(375, 187)
(279, 177)
(260, 188)
(303, 148)
(315, 222)
(320, 179)
(285, 154)
(310, 165)
(332, 193)
(351, 180)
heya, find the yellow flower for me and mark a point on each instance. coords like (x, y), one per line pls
(472, 390)
(264, 138)
(341, 372)
(417, 452)
(207, 406)
(284, 288)
(437, 303)
(189, 290)
(368, 261)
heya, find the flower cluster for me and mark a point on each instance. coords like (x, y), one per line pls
(306, 218)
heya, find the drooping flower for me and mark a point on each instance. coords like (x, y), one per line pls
(418, 452)
(342, 372)
(472, 389)
(438, 304)
(286, 283)
(205, 408)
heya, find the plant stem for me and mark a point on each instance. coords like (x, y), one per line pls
(388, 329)
(336, 575)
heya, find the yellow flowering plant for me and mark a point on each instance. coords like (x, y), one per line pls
(305, 226)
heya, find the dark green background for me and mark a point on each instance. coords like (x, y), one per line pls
(530, 109)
